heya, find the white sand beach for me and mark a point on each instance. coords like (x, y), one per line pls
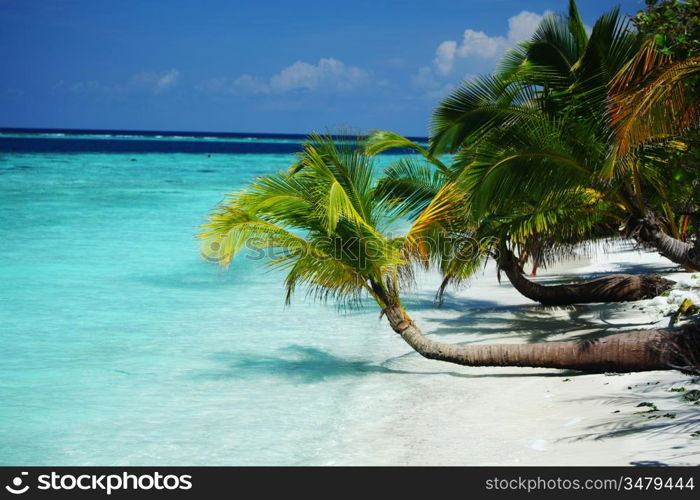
(442, 414)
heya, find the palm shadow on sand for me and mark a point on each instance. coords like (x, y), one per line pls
(650, 424)
(535, 323)
(302, 364)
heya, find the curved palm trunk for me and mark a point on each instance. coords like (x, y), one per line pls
(613, 288)
(680, 252)
(641, 350)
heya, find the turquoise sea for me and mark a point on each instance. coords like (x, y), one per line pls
(120, 345)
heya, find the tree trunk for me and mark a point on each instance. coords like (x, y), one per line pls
(613, 288)
(680, 252)
(641, 350)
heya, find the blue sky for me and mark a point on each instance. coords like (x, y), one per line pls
(251, 66)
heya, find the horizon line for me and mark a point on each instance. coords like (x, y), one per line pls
(4, 129)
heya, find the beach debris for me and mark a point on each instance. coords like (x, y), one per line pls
(652, 407)
(686, 308)
(566, 380)
(695, 434)
(669, 302)
(669, 415)
(677, 389)
(693, 395)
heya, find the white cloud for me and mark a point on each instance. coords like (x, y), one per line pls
(155, 82)
(522, 26)
(476, 46)
(167, 80)
(445, 56)
(328, 75)
(479, 44)
(248, 84)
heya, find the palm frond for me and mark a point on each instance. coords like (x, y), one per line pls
(577, 28)
(476, 108)
(412, 183)
(436, 215)
(322, 223)
(379, 141)
(652, 99)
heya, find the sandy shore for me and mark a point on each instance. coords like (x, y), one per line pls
(450, 415)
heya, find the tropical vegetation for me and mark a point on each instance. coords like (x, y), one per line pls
(576, 138)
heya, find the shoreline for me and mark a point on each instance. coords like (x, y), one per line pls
(443, 414)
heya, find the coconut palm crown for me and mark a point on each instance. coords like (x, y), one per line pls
(325, 222)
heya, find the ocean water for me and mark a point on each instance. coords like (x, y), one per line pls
(120, 345)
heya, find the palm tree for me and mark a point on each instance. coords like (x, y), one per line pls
(503, 222)
(329, 227)
(654, 100)
(560, 70)
(540, 129)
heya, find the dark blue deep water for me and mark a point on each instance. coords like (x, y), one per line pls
(121, 141)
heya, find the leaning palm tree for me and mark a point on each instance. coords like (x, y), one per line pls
(328, 226)
(540, 127)
(546, 102)
(500, 209)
